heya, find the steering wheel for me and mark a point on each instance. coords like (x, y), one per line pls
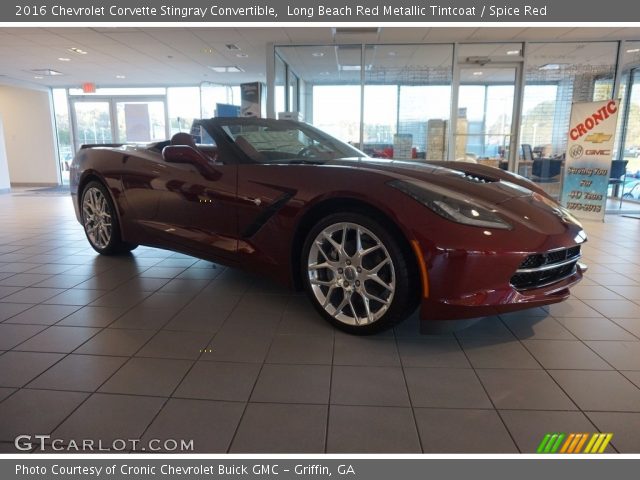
(310, 151)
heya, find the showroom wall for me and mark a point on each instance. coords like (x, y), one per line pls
(29, 136)
(4, 167)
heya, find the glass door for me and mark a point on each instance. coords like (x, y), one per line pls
(140, 120)
(119, 120)
(92, 122)
(484, 127)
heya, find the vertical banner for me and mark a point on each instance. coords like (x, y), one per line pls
(588, 161)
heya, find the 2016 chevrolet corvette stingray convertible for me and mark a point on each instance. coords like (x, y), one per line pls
(369, 240)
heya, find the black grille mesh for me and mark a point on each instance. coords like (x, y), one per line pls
(523, 280)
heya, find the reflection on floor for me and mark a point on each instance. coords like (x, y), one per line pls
(161, 345)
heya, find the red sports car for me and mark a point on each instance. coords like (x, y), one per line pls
(368, 239)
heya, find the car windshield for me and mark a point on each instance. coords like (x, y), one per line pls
(291, 142)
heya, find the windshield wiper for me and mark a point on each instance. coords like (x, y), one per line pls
(302, 161)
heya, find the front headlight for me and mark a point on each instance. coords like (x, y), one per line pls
(453, 208)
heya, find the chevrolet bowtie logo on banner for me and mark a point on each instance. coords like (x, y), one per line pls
(598, 138)
(574, 443)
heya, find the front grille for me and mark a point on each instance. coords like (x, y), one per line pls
(542, 269)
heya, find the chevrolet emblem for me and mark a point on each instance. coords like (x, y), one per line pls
(598, 138)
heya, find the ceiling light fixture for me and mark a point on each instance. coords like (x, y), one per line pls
(477, 74)
(551, 66)
(513, 52)
(392, 54)
(120, 77)
(633, 50)
(64, 59)
(317, 54)
(38, 77)
(77, 50)
(227, 69)
(46, 72)
(242, 55)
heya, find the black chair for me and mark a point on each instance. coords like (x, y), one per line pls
(544, 170)
(527, 151)
(618, 176)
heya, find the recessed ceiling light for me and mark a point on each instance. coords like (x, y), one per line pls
(513, 52)
(120, 77)
(551, 66)
(77, 50)
(242, 55)
(227, 69)
(46, 72)
(477, 74)
(354, 68)
(64, 59)
(633, 50)
(208, 50)
(38, 77)
(317, 54)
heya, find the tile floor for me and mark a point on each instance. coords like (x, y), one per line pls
(161, 345)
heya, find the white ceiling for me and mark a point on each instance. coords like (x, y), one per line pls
(182, 56)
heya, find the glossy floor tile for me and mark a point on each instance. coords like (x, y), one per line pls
(159, 345)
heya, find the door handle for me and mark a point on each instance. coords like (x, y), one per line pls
(256, 201)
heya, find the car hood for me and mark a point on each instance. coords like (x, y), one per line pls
(518, 204)
(482, 188)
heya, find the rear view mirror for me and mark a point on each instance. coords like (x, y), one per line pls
(187, 154)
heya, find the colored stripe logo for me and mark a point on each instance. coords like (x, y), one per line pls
(574, 443)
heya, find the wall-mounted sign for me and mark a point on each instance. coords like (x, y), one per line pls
(592, 131)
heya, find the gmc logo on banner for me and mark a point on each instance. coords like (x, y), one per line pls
(598, 152)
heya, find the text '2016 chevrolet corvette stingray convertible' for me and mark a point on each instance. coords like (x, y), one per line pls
(369, 240)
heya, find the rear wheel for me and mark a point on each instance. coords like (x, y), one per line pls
(100, 222)
(356, 274)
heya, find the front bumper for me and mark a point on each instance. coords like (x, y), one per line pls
(478, 284)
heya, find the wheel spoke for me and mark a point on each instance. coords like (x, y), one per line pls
(377, 268)
(367, 308)
(327, 299)
(343, 303)
(377, 299)
(320, 266)
(353, 310)
(333, 243)
(325, 283)
(380, 282)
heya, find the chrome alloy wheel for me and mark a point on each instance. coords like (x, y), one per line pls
(351, 274)
(96, 216)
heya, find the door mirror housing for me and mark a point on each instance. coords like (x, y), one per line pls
(187, 154)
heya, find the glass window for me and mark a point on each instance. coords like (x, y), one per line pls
(407, 100)
(212, 94)
(629, 121)
(280, 76)
(184, 107)
(63, 132)
(331, 77)
(558, 75)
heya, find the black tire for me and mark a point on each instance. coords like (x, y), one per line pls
(97, 224)
(328, 287)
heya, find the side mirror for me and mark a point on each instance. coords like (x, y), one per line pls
(187, 154)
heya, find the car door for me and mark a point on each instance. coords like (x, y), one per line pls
(197, 211)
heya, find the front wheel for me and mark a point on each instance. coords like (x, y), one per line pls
(100, 222)
(356, 274)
